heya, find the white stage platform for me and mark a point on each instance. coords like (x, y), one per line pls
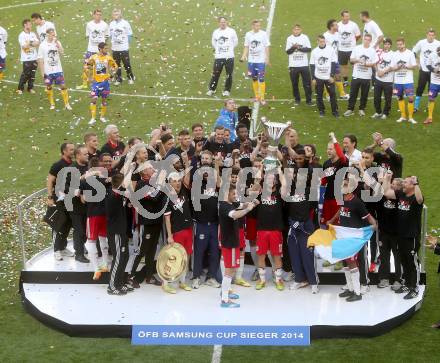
(62, 295)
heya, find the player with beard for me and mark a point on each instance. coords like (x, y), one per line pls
(409, 214)
(371, 27)
(206, 229)
(29, 43)
(387, 218)
(383, 84)
(388, 158)
(364, 59)
(301, 219)
(114, 146)
(297, 47)
(403, 64)
(97, 181)
(270, 227)
(244, 145)
(224, 40)
(116, 227)
(230, 212)
(79, 212)
(352, 214)
(433, 64)
(323, 63)
(349, 34)
(311, 158)
(59, 236)
(217, 144)
(178, 220)
(425, 47)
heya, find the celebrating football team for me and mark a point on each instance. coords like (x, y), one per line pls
(213, 192)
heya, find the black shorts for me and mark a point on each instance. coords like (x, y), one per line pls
(344, 58)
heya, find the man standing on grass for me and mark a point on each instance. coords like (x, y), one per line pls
(404, 62)
(297, 47)
(3, 41)
(349, 34)
(120, 35)
(384, 78)
(50, 67)
(42, 26)
(323, 67)
(29, 53)
(425, 47)
(224, 40)
(371, 27)
(256, 52)
(433, 66)
(364, 59)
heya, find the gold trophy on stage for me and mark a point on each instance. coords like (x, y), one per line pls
(172, 262)
(274, 131)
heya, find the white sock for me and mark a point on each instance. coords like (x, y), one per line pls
(348, 278)
(262, 274)
(355, 281)
(240, 268)
(103, 243)
(93, 253)
(226, 286)
(222, 266)
(254, 255)
(278, 274)
(183, 278)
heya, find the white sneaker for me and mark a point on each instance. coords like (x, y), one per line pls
(68, 107)
(210, 93)
(103, 119)
(116, 83)
(58, 256)
(396, 285)
(92, 121)
(212, 282)
(361, 113)
(67, 253)
(315, 289)
(196, 283)
(289, 276)
(402, 119)
(298, 285)
(226, 93)
(130, 81)
(376, 115)
(384, 117)
(52, 107)
(345, 97)
(364, 289)
(412, 121)
(348, 113)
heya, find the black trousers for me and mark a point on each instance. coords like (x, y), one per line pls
(59, 236)
(424, 79)
(363, 265)
(320, 84)
(119, 244)
(285, 258)
(79, 222)
(149, 237)
(304, 72)
(228, 64)
(385, 88)
(364, 86)
(123, 57)
(28, 75)
(409, 248)
(388, 244)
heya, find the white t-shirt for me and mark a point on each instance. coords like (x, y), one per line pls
(30, 54)
(119, 33)
(3, 40)
(224, 42)
(373, 29)
(426, 49)
(41, 30)
(97, 33)
(407, 58)
(257, 43)
(385, 61)
(297, 58)
(347, 35)
(322, 60)
(332, 39)
(434, 62)
(354, 158)
(50, 55)
(364, 55)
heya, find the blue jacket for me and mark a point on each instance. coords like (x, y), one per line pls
(228, 120)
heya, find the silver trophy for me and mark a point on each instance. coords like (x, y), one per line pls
(274, 132)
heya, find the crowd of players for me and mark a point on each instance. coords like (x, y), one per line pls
(215, 235)
(373, 62)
